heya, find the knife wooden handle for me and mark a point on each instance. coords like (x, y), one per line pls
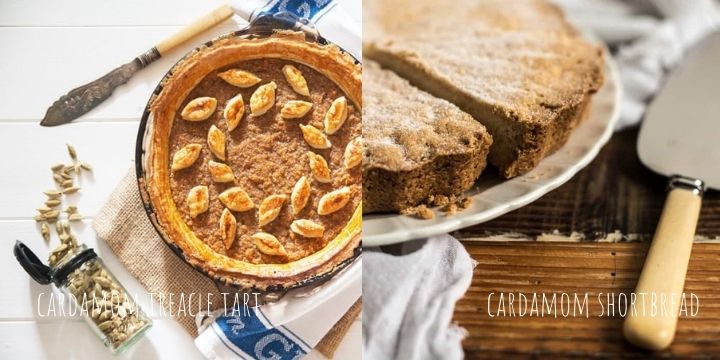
(220, 14)
(652, 324)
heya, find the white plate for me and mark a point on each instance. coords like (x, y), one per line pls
(493, 196)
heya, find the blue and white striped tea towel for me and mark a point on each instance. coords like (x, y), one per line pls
(331, 20)
(287, 329)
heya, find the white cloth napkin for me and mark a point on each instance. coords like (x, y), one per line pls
(408, 300)
(648, 39)
(293, 326)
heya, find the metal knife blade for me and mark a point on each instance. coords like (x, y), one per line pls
(84, 98)
(681, 131)
(679, 138)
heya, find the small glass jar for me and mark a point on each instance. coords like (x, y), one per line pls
(103, 302)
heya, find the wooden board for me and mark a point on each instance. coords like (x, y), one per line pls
(615, 193)
(592, 268)
(614, 199)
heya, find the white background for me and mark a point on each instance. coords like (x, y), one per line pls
(46, 49)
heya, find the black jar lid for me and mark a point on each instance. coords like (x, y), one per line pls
(42, 273)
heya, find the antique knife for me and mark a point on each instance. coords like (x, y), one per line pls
(680, 138)
(83, 99)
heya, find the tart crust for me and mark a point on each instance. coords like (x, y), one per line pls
(329, 61)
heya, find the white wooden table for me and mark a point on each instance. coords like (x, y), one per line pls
(46, 49)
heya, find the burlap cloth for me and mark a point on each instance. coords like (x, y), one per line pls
(124, 225)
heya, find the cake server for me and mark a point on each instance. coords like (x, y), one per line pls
(84, 98)
(680, 138)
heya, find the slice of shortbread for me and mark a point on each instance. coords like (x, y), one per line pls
(416, 145)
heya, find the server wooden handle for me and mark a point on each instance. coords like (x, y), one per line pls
(663, 273)
(211, 19)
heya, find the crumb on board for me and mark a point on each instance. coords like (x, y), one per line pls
(456, 206)
(440, 200)
(464, 203)
(420, 212)
(449, 205)
(450, 209)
